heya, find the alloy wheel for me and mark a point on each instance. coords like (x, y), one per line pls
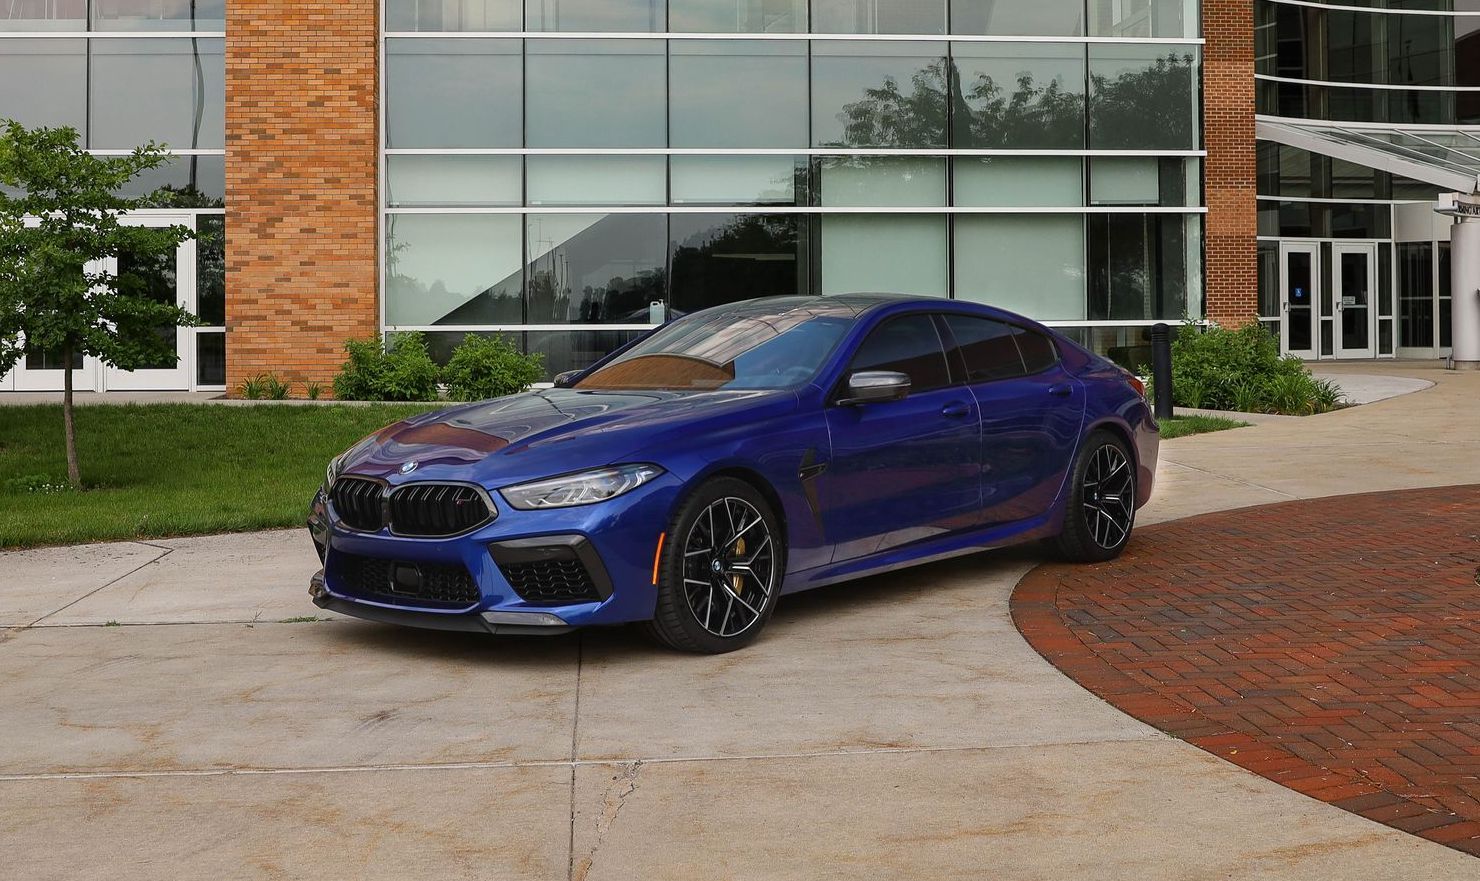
(1109, 496)
(729, 567)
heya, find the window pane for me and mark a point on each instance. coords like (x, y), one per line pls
(737, 16)
(454, 15)
(452, 93)
(1039, 352)
(597, 180)
(210, 358)
(705, 109)
(878, 94)
(183, 182)
(1028, 96)
(210, 269)
(44, 15)
(873, 17)
(1007, 181)
(1416, 294)
(722, 258)
(44, 82)
(452, 269)
(987, 348)
(735, 180)
(908, 345)
(1032, 264)
(1143, 18)
(1138, 267)
(1124, 180)
(596, 268)
(1045, 18)
(596, 93)
(1143, 97)
(166, 90)
(899, 253)
(878, 181)
(576, 349)
(436, 181)
(159, 15)
(617, 16)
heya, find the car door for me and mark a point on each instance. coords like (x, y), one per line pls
(1031, 410)
(901, 470)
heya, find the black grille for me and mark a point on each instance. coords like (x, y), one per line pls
(429, 509)
(551, 581)
(357, 502)
(398, 581)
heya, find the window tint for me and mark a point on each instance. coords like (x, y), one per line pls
(987, 348)
(907, 345)
(1039, 352)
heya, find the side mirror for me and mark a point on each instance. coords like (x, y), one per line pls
(564, 380)
(875, 387)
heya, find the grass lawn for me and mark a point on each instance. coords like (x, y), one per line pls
(171, 469)
(1181, 426)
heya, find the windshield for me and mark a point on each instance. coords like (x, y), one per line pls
(741, 348)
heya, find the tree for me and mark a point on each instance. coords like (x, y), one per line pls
(57, 225)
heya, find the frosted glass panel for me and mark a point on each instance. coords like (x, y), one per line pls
(1125, 181)
(596, 180)
(452, 269)
(903, 254)
(595, 93)
(880, 181)
(433, 181)
(1011, 181)
(734, 180)
(737, 16)
(1032, 264)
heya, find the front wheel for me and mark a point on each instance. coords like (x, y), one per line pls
(1102, 501)
(720, 572)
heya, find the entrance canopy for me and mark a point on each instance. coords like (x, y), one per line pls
(1445, 157)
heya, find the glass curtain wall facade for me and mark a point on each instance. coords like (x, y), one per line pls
(573, 172)
(1410, 63)
(123, 73)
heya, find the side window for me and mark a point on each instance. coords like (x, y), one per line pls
(907, 345)
(1039, 352)
(987, 348)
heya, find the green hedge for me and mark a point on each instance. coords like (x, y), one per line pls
(403, 370)
(1215, 368)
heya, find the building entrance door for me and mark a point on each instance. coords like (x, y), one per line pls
(1353, 277)
(167, 279)
(1300, 297)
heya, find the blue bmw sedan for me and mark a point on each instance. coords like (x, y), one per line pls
(691, 479)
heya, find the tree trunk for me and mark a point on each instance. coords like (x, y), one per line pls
(74, 475)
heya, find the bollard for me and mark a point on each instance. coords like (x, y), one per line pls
(1161, 369)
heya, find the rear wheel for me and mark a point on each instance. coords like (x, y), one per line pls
(720, 572)
(1102, 501)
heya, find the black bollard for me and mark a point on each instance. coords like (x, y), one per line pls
(1161, 369)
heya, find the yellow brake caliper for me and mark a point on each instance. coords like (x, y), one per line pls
(737, 580)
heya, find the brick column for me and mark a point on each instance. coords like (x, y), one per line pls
(301, 157)
(1231, 280)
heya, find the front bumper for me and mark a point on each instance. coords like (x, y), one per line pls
(616, 541)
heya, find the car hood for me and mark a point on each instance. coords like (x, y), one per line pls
(538, 434)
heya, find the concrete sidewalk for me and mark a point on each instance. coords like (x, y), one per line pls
(895, 727)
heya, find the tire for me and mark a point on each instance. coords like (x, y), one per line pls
(1101, 509)
(712, 609)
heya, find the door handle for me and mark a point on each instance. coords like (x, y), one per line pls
(955, 410)
(1061, 390)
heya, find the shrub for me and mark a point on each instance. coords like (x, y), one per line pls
(484, 367)
(313, 390)
(275, 389)
(254, 388)
(1242, 369)
(399, 371)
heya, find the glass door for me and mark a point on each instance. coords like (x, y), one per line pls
(1354, 276)
(1299, 294)
(168, 279)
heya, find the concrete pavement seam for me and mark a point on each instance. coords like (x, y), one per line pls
(1150, 736)
(165, 552)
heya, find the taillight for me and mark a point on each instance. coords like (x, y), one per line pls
(1136, 384)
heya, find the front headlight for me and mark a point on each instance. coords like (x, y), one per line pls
(586, 488)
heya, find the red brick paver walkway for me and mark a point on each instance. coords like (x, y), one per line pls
(1331, 645)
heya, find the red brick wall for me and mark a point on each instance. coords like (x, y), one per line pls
(301, 143)
(1231, 282)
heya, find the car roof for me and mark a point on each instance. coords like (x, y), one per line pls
(858, 304)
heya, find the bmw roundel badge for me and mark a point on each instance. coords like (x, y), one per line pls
(408, 467)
